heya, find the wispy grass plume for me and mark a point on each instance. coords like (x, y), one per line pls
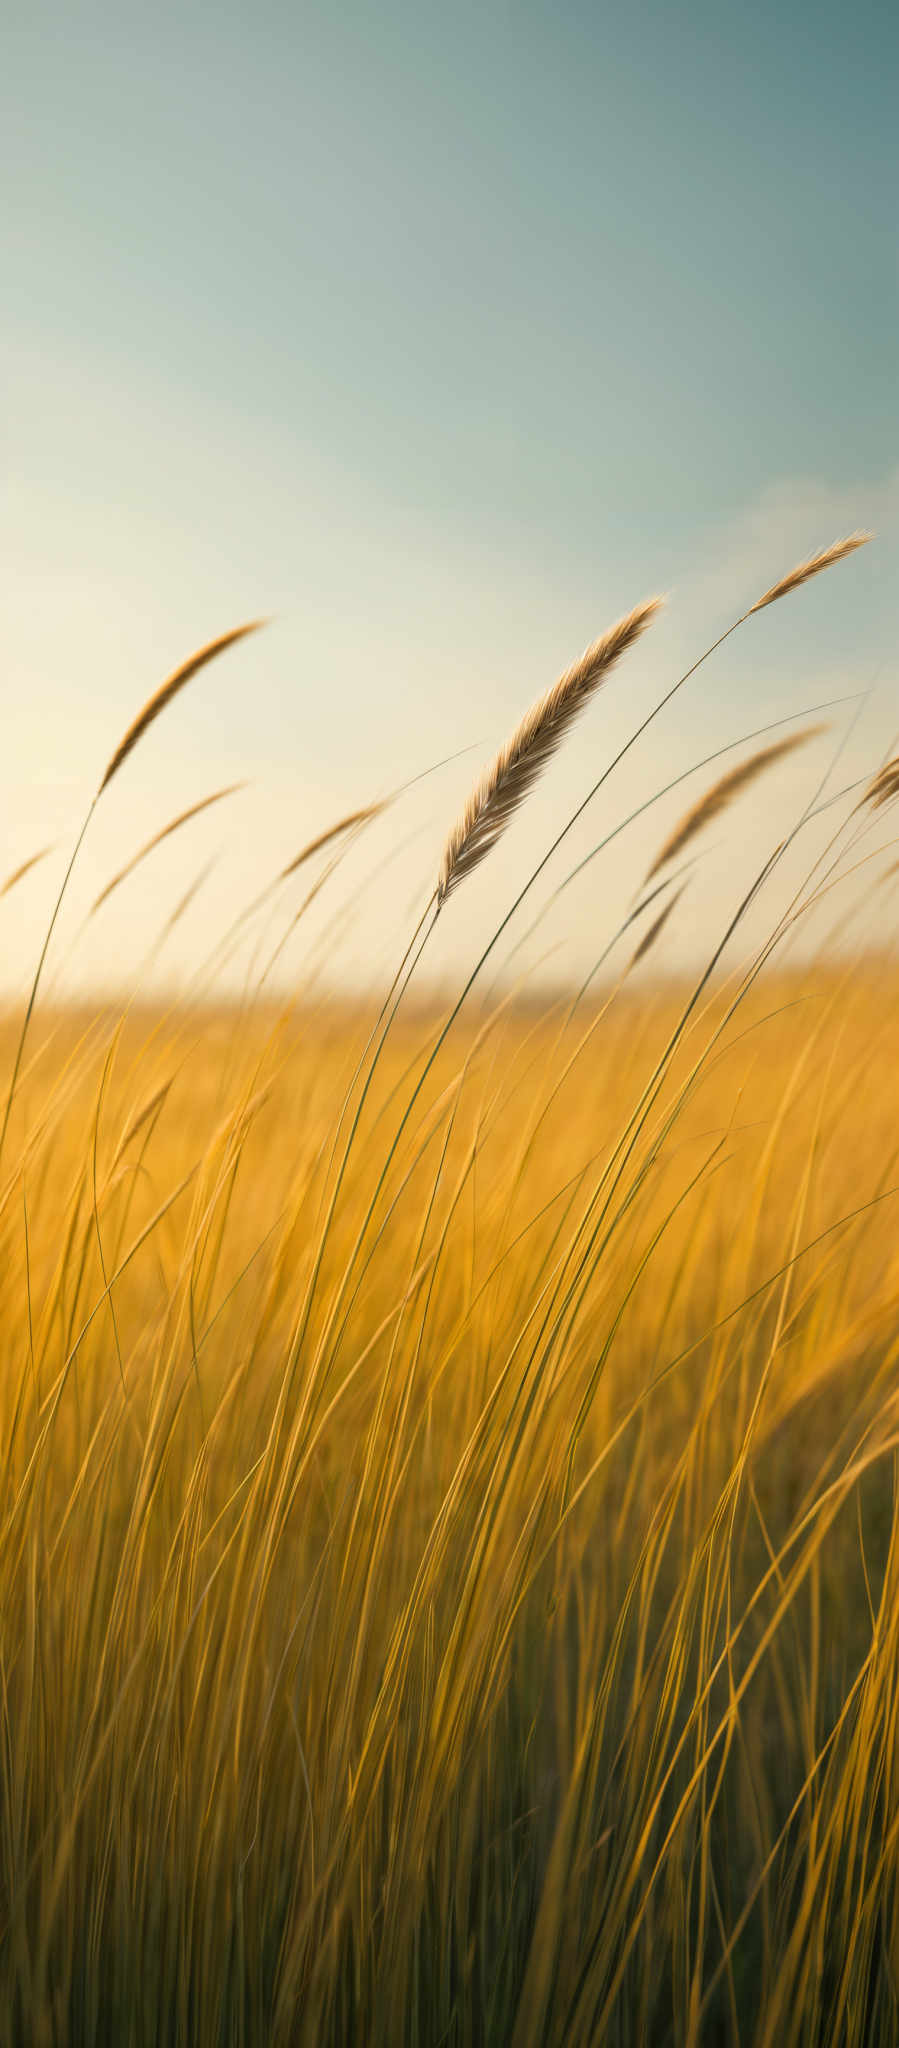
(883, 787)
(500, 792)
(331, 832)
(174, 825)
(169, 689)
(824, 559)
(723, 792)
(24, 868)
(657, 927)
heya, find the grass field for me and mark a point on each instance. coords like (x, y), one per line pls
(449, 1546)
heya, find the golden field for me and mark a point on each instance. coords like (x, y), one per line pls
(464, 1610)
(449, 1542)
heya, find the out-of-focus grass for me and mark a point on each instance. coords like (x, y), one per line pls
(475, 1620)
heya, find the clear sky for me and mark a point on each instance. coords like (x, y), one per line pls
(442, 334)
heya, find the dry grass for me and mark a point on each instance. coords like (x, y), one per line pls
(326, 838)
(723, 793)
(826, 558)
(449, 1522)
(167, 692)
(24, 868)
(175, 824)
(338, 1701)
(884, 787)
(511, 777)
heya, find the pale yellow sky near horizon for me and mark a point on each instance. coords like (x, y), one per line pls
(226, 727)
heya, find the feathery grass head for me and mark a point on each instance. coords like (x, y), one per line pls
(884, 786)
(504, 786)
(803, 571)
(723, 792)
(169, 689)
(24, 868)
(174, 825)
(185, 901)
(360, 817)
(658, 925)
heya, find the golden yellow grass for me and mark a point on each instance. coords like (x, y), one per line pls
(448, 1520)
(24, 868)
(503, 787)
(168, 691)
(518, 1661)
(723, 792)
(826, 558)
(326, 838)
(149, 846)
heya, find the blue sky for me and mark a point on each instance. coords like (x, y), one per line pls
(442, 335)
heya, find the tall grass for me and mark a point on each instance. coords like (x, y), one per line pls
(449, 1526)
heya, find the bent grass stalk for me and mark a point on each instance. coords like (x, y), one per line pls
(496, 797)
(427, 1707)
(146, 717)
(627, 1143)
(723, 793)
(658, 795)
(174, 825)
(24, 868)
(623, 1151)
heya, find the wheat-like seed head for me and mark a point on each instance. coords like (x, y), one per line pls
(185, 901)
(25, 867)
(884, 786)
(174, 825)
(657, 927)
(331, 832)
(803, 571)
(169, 689)
(723, 792)
(504, 786)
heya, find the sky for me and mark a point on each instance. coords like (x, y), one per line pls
(440, 336)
